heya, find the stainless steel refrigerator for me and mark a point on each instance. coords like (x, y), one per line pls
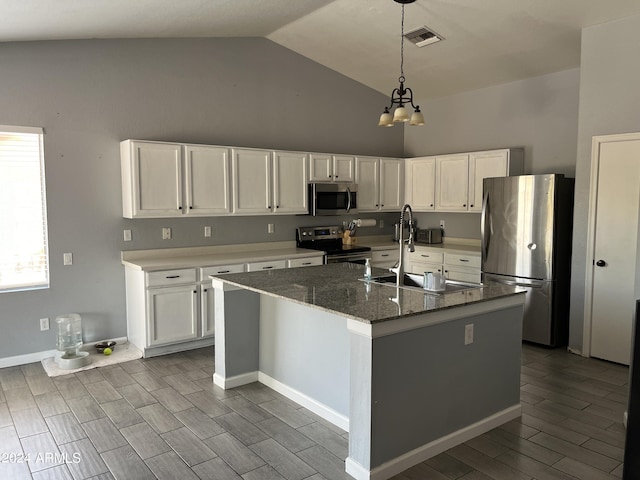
(526, 226)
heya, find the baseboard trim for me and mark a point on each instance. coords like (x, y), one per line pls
(236, 381)
(149, 352)
(309, 403)
(431, 449)
(39, 356)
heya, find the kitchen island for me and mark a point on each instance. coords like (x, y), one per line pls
(408, 374)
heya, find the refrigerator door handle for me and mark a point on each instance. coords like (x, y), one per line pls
(486, 230)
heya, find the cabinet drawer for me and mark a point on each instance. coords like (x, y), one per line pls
(273, 265)
(421, 267)
(384, 256)
(426, 256)
(220, 270)
(462, 274)
(304, 262)
(171, 277)
(462, 260)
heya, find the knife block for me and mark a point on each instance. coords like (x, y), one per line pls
(347, 239)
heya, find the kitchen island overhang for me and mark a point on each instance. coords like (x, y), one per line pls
(389, 365)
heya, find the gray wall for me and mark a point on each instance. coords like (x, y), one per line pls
(90, 95)
(539, 114)
(609, 99)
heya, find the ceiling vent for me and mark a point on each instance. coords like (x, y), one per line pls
(423, 36)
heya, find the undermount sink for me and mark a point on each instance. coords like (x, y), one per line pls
(415, 281)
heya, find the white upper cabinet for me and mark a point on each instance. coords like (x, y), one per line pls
(380, 184)
(459, 178)
(151, 179)
(207, 180)
(269, 182)
(391, 184)
(420, 183)
(290, 179)
(344, 168)
(170, 180)
(252, 181)
(331, 168)
(452, 183)
(487, 165)
(368, 180)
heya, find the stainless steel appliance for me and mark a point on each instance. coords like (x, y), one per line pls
(407, 230)
(329, 239)
(429, 235)
(333, 198)
(526, 226)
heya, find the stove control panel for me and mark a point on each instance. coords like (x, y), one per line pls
(319, 233)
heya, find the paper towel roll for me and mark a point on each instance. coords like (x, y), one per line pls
(366, 222)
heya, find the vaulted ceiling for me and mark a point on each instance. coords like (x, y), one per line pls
(486, 42)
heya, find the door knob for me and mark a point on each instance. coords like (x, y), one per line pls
(601, 263)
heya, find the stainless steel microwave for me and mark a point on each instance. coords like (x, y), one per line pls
(333, 198)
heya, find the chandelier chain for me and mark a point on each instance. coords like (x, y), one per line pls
(402, 44)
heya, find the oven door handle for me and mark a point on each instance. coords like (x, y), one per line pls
(348, 200)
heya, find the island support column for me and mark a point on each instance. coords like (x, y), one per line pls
(237, 335)
(416, 388)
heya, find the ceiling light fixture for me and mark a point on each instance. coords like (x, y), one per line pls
(401, 95)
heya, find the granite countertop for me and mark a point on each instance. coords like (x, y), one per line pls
(337, 288)
(382, 242)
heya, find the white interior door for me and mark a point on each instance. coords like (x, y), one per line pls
(615, 248)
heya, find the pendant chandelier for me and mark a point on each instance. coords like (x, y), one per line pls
(401, 95)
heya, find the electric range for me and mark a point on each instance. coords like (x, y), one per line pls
(329, 240)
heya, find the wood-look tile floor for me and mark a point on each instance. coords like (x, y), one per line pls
(163, 418)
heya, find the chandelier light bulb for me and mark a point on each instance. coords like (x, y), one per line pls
(417, 118)
(386, 120)
(401, 114)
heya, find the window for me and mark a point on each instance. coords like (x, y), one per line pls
(24, 256)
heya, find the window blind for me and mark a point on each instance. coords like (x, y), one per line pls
(24, 256)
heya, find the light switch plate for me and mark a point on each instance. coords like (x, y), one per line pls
(44, 324)
(127, 235)
(67, 258)
(468, 334)
(207, 231)
(166, 233)
(271, 228)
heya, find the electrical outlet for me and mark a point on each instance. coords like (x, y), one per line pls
(44, 324)
(67, 258)
(166, 233)
(468, 334)
(207, 231)
(271, 228)
(442, 224)
(127, 235)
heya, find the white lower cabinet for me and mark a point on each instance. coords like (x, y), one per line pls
(304, 262)
(173, 314)
(385, 258)
(174, 310)
(164, 311)
(271, 265)
(463, 267)
(424, 260)
(459, 265)
(207, 297)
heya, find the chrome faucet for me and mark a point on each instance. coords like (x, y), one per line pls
(399, 267)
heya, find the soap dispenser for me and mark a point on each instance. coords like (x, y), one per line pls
(367, 269)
